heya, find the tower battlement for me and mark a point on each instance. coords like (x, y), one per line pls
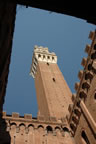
(41, 54)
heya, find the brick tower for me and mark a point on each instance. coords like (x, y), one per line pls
(53, 93)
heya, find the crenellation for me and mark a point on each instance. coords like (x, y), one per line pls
(80, 74)
(88, 48)
(28, 116)
(77, 86)
(82, 94)
(4, 113)
(15, 115)
(53, 119)
(73, 97)
(91, 35)
(84, 62)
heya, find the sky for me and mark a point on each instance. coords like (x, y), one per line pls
(65, 35)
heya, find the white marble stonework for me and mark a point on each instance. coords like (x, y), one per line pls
(43, 55)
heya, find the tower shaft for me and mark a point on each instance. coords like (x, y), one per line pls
(53, 93)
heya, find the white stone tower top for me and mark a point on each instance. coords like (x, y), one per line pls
(43, 55)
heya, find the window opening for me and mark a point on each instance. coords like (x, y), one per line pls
(35, 64)
(65, 129)
(52, 58)
(84, 137)
(35, 59)
(49, 129)
(48, 57)
(54, 80)
(48, 64)
(43, 56)
(39, 55)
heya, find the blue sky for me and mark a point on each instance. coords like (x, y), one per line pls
(66, 36)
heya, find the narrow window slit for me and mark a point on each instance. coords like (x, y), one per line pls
(54, 80)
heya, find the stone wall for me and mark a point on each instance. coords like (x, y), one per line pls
(83, 112)
(30, 130)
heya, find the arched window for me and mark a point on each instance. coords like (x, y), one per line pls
(57, 128)
(49, 129)
(48, 57)
(30, 127)
(13, 127)
(65, 129)
(84, 137)
(39, 55)
(52, 58)
(22, 128)
(40, 128)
